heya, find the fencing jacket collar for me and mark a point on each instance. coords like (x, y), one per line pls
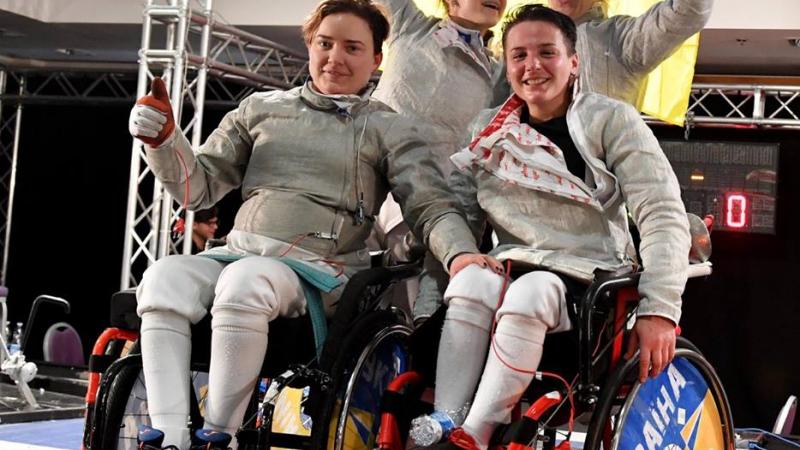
(342, 104)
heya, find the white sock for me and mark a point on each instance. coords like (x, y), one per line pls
(519, 340)
(238, 346)
(166, 350)
(462, 350)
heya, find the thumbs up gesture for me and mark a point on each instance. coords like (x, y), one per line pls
(151, 118)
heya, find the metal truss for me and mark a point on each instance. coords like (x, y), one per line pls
(198, 48)
(59, 88)
(742, 105)
(248, 58)
(10, 123)
(753, 105)
(72, 86)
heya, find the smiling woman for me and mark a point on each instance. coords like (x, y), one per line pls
(344, 48)
(308, 185)
(341, 55)
(556, 173)
(541, 66)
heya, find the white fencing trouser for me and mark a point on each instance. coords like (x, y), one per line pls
(246, 296)
(534, 304)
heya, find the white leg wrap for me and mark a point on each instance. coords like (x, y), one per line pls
(166, 349)
(534, 304)
(238, 345)
(471, 296)
(250, 293)
(519, 342)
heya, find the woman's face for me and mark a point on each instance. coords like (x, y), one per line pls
(476, 14)
(341, 55)
(572, 8)
(539, 67)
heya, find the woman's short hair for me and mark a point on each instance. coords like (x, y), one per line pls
(541, 13)
(367, 10)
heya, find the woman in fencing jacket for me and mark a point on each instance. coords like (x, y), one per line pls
(618, 52)
(440, 71)
(555, 172)
(312, 163)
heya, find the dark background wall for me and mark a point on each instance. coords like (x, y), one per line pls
(745, 316)
(69, 214)
(69, 223)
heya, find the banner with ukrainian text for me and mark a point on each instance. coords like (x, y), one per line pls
(674, 411)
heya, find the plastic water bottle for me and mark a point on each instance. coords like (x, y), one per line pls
(16, 340)
(428, 430)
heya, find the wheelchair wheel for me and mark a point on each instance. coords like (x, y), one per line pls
(371, 356)
(125, 407)
(122, 405)
(685, 407)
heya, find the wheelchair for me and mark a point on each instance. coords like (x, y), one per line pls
(684, 407)
(340, 384)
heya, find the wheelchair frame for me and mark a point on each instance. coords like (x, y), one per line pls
(589, 395)
(362, 307)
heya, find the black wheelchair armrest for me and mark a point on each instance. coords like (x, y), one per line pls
(361, 289)
(607, 283)
(122, 313)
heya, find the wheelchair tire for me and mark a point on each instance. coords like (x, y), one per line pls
(125, 408)
(122, 405)
(109, 415)
(372, 354)
(631, 415)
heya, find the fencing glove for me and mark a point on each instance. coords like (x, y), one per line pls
(151, 118)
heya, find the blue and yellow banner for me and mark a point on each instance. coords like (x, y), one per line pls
(674, 411)
(666, 94)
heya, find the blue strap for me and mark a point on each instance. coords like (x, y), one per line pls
(312, 280)
(319, 279)
(317, 312)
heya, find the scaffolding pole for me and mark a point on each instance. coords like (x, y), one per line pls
(10, 177)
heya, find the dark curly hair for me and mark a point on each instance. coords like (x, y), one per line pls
(368, 10)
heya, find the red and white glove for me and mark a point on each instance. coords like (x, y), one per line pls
(151, 119)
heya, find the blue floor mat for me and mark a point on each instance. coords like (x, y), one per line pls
(52, 434)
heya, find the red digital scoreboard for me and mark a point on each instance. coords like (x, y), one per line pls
(734, 181)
